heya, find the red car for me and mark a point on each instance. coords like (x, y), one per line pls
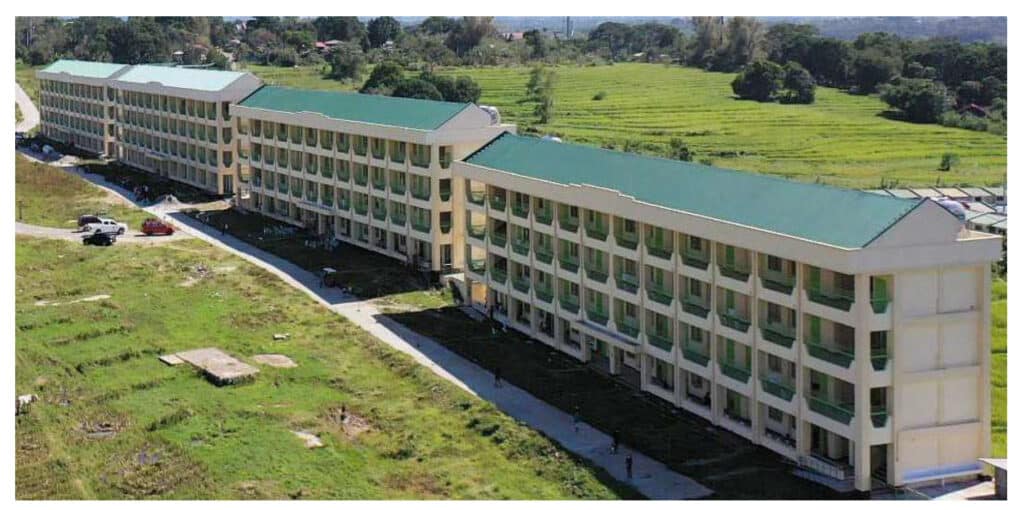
(156, 227)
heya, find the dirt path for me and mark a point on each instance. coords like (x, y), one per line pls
(130, 236)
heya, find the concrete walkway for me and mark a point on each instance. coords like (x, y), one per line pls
(29, 112)
(650, 477)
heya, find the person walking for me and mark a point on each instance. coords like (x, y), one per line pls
(576, 420)
(615, 442)
(629, 466)
(497, 377)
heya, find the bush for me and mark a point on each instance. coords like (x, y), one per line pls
(385, 76)
(949, 160)
(418, 89)
(798, 84)
(600, 96)
(920, 99)
(758, 81)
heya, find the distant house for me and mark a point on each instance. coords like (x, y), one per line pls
(512, 36)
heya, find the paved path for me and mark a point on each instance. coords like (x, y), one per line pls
(29, 112)
(73, 235)
(650, 477)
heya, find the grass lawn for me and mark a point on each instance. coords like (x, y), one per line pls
(999, 368)
(114, 422)
(51, 197)
(25, 75)
(17, 113)
(842, 139)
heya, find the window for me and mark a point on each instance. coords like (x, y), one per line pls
(774, 415)
(774, 263)
(695, 243)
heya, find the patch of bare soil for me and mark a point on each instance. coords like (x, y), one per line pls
(259, 489)
(422, 485)
(274, 360)
(351, 424)
(104, 427)
(153, 470)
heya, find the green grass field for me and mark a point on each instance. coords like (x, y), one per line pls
(94, 366)
(51, 197)
(842, 139)
(25, 75)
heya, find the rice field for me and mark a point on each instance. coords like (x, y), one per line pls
(842, 139)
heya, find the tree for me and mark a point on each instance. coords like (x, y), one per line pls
(786, 42)
(139, 40)
(466, 90)
(384, 77)
(968, 93)
(545, 97)
(417, 88)
(678, 149)
(920, 100)
(434, 25)
(829, 61)
(798, 84)
(744, 36)
(535, 41)
(709, 38)
(758, 81)
(341, 28)
(218, 59)
(872, 68)
(383, 29)
(346, 62)
(468, 33)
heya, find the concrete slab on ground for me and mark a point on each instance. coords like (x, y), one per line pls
(274, 360)
(219, 366)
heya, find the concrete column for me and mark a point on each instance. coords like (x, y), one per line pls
(755, 311)
(614, 365)
(862, 425)
(985, 359)
(803, 429)
(716, 400)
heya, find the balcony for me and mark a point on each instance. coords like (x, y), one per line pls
(778, 333)
(879, 358)
(477, 197)
(521, 246)
(397, 218)
(327, 200)
(544, 253)
(734, 321)
(361, 178)
(380, 214)
(421, 225)
(627, 282)
(596, 230)
(778, 281)
(778, 387)
(569, 303)
(660, 339)
(477, 232)
(499, 274)
(499, 239)
(521, 210)
(570, 264)
(659, 250)
(734, 271)
(543, 215)
(734, 371)
(397, 188)
(544, 293)
(880, 304)
(694, 305)
(498, 202)
(627, 240)
(445, 225)
(598, 274)
(360, 208)
(660, 294)
(696, 259)
(837, 411)
(421, 192)
(521, 284)
(478, 266)
(297, 192)
(597, 316)
(841, 299)
(568, 223)
(833, 355)
(879, 416)
(444, 194)
(695, 355)
(628, 326)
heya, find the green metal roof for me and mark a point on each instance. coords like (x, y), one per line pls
(181, 77)
(372, 109)
(839, 217)
(84, 68)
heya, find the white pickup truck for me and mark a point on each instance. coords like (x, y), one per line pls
(107, 226)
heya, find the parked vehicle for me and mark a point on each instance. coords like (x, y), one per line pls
(99, 239)
(107, 226)
(154, 226)
(87, 219)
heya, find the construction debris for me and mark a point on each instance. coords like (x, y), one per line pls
(282, 336)
(218, 366)
(274, 360)
(171, 359)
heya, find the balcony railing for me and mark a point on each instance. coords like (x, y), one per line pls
(783, 390)
(398, 188)
(445, 225)
(627, 282)
(832, 355)
(543, 215)
(421, 193)
(734, 371)
(360, 209)
(498, 275)
(778, 333)
(544, 293)
(628, 241)
(879, 358)
(696, 259)
(734, 271)
(499, 239)
(477, 197)
(879, 416)
(693, 354)
(596, 273)
(380, 214)
(569, 303)
(628, 327)
(397, 219)
(478, 266)
(841, 299)
(597, 231)
(660, 295)
(521, 284)
(880, 304)
(660, 339)
(778, 281)
(498, 202)
(840, 412)
(421, 225)
(570, 264)
(521, 246)
(544, 253)
(521, 210)
(734, 321)
(695, 305)
(569, 223)
(659, 250)
(597, 316)
(477, 232)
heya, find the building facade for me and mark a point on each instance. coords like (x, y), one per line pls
(77, 104)
(846, 331)
(374, 171)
